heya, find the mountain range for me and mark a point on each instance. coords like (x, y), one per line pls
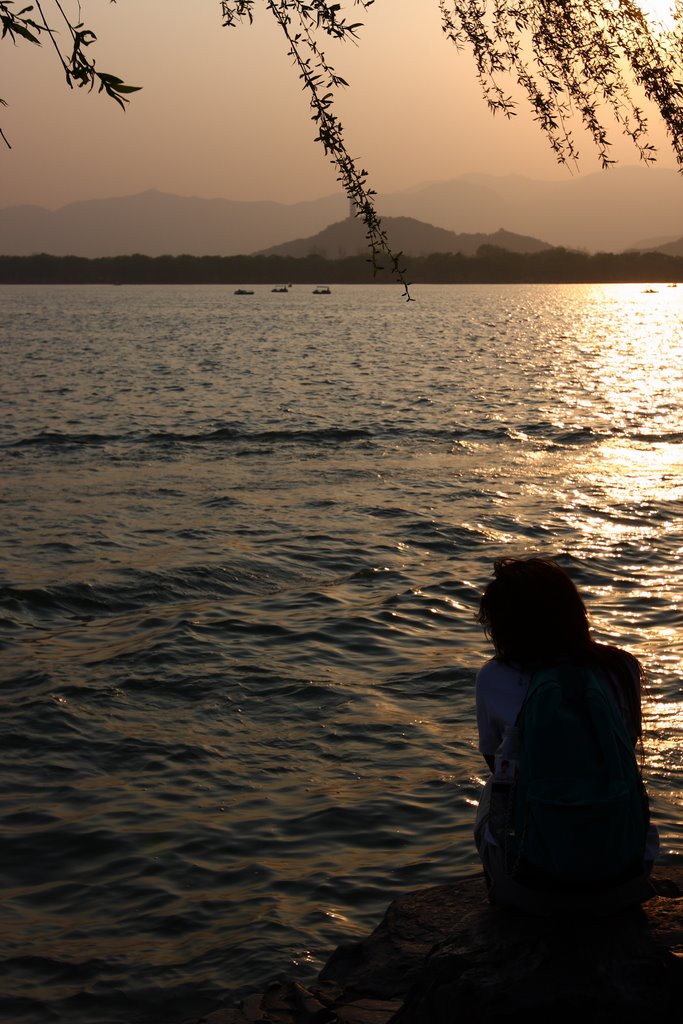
(623, 208)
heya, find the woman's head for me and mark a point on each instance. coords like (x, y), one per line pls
(532, 612)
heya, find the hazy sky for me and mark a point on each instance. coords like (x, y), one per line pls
(222, 112)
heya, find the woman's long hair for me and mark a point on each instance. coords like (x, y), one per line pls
(534, 615)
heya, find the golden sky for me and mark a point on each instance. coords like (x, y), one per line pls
(222, 112)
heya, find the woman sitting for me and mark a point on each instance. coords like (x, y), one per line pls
(563, 823)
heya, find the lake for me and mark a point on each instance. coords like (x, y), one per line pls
(244, 539)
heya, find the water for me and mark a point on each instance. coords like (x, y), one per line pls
(243, 543)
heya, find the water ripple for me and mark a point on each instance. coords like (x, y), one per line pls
(242, 561)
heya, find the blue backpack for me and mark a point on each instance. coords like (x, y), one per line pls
(580, 815)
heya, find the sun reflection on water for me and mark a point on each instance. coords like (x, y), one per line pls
(625, 501)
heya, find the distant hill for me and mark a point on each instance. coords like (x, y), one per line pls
(672, 248)
(410, 236)
(157, 224)
(607, 211)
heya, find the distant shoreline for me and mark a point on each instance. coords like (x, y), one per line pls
(490, 265)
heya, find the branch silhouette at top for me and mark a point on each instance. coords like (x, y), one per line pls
(577, 62)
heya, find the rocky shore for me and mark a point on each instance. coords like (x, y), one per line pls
(444, 955)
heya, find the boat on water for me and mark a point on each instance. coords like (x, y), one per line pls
(283, 289)
(324, 290)
(243, 291)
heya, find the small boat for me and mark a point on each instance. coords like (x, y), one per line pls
(649, 291)
(243, 291)
(322, 291)
(283, 289)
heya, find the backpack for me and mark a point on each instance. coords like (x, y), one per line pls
(579, 814)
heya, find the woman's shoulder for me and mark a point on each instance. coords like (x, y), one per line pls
(500, 673)
(492, 669)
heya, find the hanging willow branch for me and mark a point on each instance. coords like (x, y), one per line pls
(303, 25)
(571, 58)
(32, 25)
(575, 60)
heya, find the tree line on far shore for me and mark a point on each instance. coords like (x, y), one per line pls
(490, 265)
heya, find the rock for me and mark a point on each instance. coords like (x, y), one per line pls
(445, 955)
(500, 966)
(387, 962)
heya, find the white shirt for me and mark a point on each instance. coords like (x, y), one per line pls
(500, 692)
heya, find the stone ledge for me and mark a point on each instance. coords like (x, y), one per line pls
(444, 954)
